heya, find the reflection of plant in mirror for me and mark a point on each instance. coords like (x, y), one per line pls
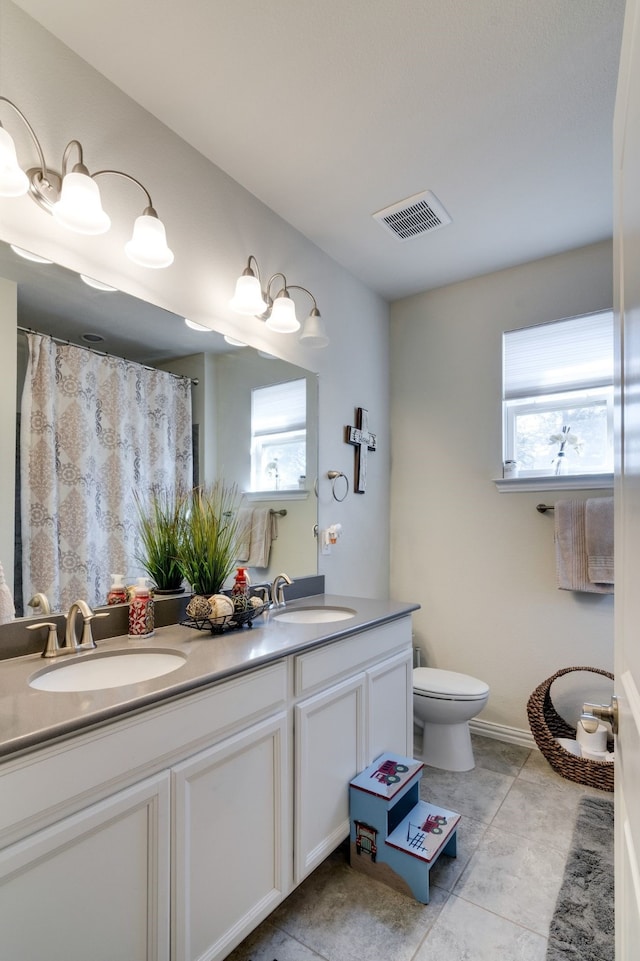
(210, 537)
(161, 518)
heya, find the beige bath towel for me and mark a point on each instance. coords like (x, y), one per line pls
(245, 523)
(263, 532)
(598, 524)
(571, 549)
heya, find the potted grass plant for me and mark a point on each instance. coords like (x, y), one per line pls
(209, 544)
(161, 520)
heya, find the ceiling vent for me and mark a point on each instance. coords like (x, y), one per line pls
(414, 216)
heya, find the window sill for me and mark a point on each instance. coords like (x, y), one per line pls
(551, 482)
(286, 495)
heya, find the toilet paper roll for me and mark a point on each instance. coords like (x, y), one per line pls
(595, 743)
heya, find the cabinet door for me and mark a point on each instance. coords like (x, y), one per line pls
(93, 885)
(232, 840)
(330, 751)
(390, 707)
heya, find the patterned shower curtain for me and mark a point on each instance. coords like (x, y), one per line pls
(94, 430)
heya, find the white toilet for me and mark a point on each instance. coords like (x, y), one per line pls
(443, 703)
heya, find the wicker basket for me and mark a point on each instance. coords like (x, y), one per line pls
(546, 725)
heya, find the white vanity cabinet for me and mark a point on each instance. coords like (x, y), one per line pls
(354, 716)
(232, 840)
(159, 837)
(170, 833)
(92, 885)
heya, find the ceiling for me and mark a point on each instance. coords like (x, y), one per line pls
(329, 110)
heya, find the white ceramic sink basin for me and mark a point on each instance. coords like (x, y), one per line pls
(316, 615)
(94, 672)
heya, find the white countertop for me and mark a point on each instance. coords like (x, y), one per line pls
(30, 718)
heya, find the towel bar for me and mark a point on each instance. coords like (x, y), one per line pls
(543, 508)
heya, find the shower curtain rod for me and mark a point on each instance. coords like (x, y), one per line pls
(103, 353)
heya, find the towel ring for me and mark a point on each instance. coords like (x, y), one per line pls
(333, 476)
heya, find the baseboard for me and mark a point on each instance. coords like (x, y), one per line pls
(500, 732)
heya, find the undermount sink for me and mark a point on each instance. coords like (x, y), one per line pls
(316, 615)
(94, 672)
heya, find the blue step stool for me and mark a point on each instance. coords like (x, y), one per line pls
(396, 837)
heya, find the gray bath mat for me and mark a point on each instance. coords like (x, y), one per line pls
(582, 925)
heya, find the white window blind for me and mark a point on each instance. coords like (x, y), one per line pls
(572, 354)
(279, 407)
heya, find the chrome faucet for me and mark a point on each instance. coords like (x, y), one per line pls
(53, 647)
(40, 602)
(87, 642)
(277, 589)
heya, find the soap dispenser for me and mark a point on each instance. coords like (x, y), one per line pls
(141, 611)
(241, 582)
(117, 592)
(240, 591)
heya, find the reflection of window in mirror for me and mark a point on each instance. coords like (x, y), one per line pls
(279, 436)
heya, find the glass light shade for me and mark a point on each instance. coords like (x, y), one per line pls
(194, 325)
(148, 244)
(80, 207)
(313, 333)
(234, 342)
(13, 181)
(97, 284)
(283, 316)
(29, 255)
(248, 296)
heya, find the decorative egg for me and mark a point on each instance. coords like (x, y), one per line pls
(241, 603)
(198, 607)
(221, 607)
(256, 602)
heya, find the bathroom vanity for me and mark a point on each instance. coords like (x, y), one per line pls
(165, 819)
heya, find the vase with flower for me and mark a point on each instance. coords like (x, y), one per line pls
(566, 441)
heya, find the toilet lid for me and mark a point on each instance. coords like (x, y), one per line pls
(432, 680)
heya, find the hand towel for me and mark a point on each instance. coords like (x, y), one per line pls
(263, 532)
(598, 525)
(7, 608)
(571, 549)
(245, 523)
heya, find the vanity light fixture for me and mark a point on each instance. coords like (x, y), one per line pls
(233, 341)
(73, 197)
(275, 306)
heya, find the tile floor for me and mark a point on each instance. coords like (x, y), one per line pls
(491, 903)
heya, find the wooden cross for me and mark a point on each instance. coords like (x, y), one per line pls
(363, 441)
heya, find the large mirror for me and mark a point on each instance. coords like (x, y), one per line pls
(56, 301)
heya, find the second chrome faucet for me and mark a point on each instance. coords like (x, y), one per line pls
(277, 589)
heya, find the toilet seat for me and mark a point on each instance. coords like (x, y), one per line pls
(448, 685)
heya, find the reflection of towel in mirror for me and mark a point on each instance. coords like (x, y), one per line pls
(264, 530)
(7, 609)
(571, 549)
(598, 525)
(245, 523)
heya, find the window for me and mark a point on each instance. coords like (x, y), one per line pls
(558, 396)
(279, 436)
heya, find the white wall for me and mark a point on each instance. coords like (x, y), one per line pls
(213, 225)
(480, 562)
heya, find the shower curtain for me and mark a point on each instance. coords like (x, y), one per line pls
(94, 430)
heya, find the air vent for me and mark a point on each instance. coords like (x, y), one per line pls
(414, 216)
